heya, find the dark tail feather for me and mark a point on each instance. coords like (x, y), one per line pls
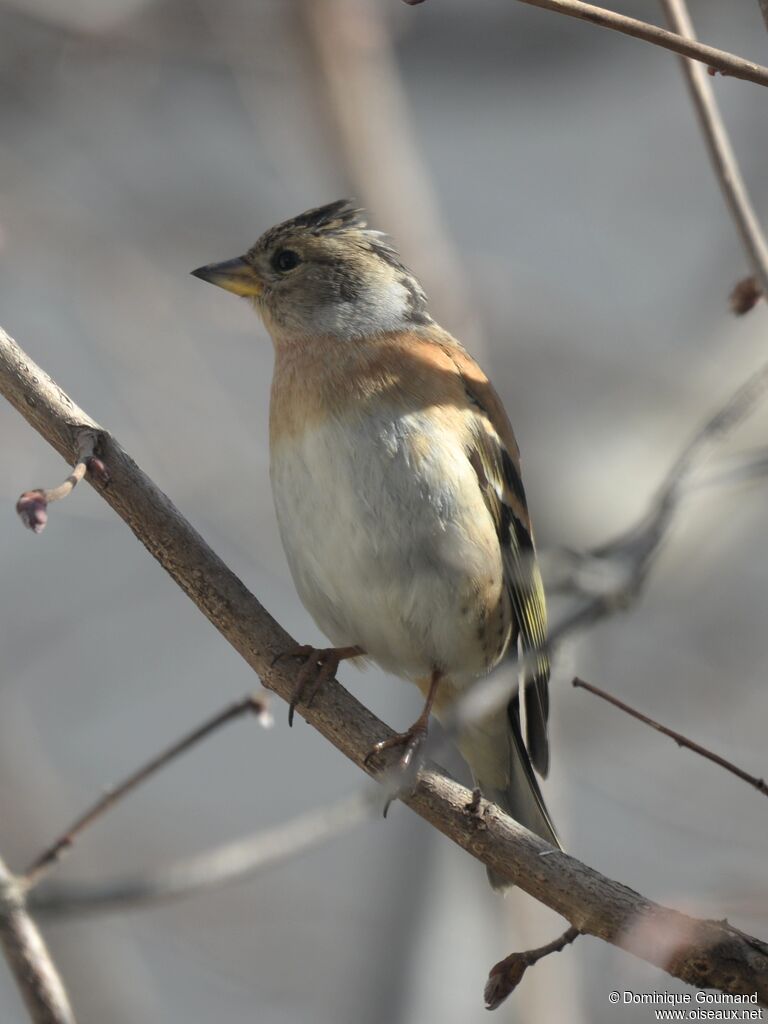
(522, 799)
(536, 692)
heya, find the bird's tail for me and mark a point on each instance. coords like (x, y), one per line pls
(499, 761)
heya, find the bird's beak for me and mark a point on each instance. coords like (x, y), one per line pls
(236, 276)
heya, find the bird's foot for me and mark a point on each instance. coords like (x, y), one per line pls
(320, 665)
(410, 741)
(403, 773)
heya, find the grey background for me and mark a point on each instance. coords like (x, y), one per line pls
(141, 138)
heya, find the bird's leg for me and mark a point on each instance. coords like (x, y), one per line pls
(320, 665)
(413, 737)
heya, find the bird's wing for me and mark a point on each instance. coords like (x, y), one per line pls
(495, 457)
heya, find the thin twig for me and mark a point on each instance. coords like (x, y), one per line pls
(680, 740)
(712, 954)
(224, 865)
(506, 975)
(764, 11)
(255, 703)
(28, 957)
(32, 505)
(720, 150)
(726, 62)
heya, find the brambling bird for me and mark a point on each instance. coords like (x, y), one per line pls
(396, 481)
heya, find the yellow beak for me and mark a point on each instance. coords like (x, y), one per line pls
(236, 276)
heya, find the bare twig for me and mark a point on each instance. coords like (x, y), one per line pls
(708, 953)
(255, 703)
(28, 957)
(720, 150)
(727, 63)
(764, 11)
(506, 975)
(32, 505)
(679, 739)
(225, 865)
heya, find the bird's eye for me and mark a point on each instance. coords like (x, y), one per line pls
(285, 259)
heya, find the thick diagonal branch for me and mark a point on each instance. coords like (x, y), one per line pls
(703, 953)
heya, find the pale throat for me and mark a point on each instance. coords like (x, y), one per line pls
(378, 309)
(384, 306)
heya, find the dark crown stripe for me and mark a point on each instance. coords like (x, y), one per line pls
(336, 216)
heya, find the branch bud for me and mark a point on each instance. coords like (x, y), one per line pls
(31, 508)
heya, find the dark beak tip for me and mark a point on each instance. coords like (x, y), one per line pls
(201, 272)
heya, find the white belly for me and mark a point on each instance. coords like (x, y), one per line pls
(389, 549)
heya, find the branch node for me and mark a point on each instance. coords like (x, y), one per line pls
(32, 506)
(259, 705)
(745, 295)
(98, 470)
(506, 975)
(473, 806)
(11, 894)
(476, 811)
(31, 509)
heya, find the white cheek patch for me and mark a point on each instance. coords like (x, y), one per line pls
(385, 307)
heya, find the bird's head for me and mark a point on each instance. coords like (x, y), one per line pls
(324, 273)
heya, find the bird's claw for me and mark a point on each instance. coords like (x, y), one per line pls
(411, 740)
(407, 765)
(320, 665)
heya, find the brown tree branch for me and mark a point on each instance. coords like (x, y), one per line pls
(703, 953)
(28, 957)
(679, 739)
(727, 63)
(254, 703)
(720, 150)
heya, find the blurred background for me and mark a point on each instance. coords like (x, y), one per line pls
(549, 184)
